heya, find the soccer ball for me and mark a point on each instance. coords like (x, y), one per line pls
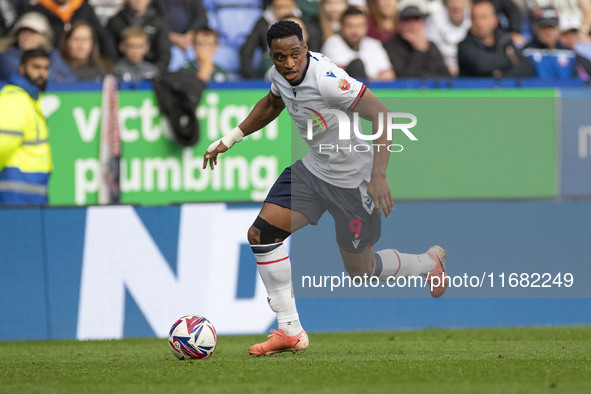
(192, 337)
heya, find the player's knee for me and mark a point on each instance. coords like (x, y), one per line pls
(263, 233)
(254, 235)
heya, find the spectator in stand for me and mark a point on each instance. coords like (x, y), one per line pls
(488, 51)
(106, 9)
(80, 50)
(577, 9)
(328, 21)
(446, 27)
(551, 59)
(32, 31)
(141, 13)
(382, 19)
(135, 46)
(62, 13)
(570, 36)
(411, 53)
(361, 56)
(184, 18)
(570, 27)
(257, 39)
(205, 45)
(511, 12)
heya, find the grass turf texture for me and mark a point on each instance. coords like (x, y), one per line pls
(517, 360)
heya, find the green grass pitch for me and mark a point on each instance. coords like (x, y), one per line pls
(516, 360)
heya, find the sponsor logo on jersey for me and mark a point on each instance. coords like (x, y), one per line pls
(330, 74)
(317, 117)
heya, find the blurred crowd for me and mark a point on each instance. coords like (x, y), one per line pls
(224, 40)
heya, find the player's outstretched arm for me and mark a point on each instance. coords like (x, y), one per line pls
(264, 112)
(372, 108)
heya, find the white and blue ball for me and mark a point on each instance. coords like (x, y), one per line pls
(192, 337)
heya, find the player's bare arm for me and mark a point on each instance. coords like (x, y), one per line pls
(264, 112)
(371, 108)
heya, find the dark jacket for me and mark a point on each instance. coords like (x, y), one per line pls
(154, 24)
(410, 63)
(477, 60)
(194, 10)
(86, 13)
(8, 15)
(511, 12)
(256, 39)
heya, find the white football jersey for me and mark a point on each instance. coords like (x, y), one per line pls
(326, 87)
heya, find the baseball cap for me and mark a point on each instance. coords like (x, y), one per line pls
(569, 22)
(411, 12)
(33, 21)
(546, 16)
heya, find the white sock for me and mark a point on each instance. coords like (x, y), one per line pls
(390, 262)
(275, 271)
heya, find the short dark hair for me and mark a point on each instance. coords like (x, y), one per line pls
(283, 29)
(205, 30)
(33, 53)
(352, 10)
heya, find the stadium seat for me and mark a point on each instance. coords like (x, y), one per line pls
(235, 24)
(228, 58)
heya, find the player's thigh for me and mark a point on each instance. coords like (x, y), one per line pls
(282, 217)
(356, 225)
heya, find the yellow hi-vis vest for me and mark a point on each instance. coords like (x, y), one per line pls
(25, 155)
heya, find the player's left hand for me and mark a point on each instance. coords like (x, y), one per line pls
(379, 191)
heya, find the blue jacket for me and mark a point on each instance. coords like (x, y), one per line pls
(558, 63)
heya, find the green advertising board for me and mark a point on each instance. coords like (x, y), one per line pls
(154, 168)
(471, 144)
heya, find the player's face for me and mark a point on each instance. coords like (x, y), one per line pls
(289, 56)
(36, 70)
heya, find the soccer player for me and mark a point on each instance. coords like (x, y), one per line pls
(352, 186)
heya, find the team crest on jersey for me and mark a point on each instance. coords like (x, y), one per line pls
(294, 106)
(344, 85)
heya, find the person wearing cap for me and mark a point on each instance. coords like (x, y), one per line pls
(32, 31)
(487, 50)
(411, 53)
(360, 56)
(25, 155)
(553, 60)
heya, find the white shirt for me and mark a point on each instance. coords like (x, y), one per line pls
(324, 87)
(446, 35)
(371, 52)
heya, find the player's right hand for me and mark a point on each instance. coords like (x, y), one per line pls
(212, 152)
